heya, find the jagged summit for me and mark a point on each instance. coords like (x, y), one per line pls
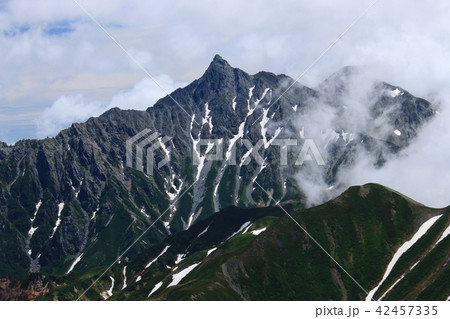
(219, 59)
(219, 66)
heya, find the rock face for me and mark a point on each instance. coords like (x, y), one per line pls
(263, 254)
(72, 198)
(17, 290)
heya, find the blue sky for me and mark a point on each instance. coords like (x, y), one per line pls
(59, 28)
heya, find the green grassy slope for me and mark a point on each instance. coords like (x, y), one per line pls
(361, 229)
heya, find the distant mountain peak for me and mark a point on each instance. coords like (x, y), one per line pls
(219, 59)
(219, 65)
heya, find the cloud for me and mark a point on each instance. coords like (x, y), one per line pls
(145, 93)
(180, 38)
(76, 108)
(422, 171)
(65, 111)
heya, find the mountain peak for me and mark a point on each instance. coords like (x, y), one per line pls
(218, 64)
(219, 59)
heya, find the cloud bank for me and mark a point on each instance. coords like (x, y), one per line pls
(77, 108)
(420, 171)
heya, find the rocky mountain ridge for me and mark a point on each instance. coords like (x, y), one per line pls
(71, 203)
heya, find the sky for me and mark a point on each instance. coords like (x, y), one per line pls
(58, 66)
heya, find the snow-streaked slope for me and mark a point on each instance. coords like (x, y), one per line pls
(210, 251)
(154, 260)
(203, 232)
(157, 286)
(239, 230)
(422, 230)
(33, 229)
(180, 275)
(58, 220)
(76, 261)
(124, 277)
(444, 234)
(109, 292)
(180, 258)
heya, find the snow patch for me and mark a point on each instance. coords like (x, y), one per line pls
(246, 229)
(234, 139)
(164, 148)
(197, 152)
(124, 271)
(172, 186)
(33, 229)
(95, 213)
(207, 119)
(58, 221)
(258, 231)
(143, 212)
(239, 230)
(157, 286)
(397, 132)
(180, 258)
(206, 229)
(154, 260)
(302, 132)
(210, 251)
(444, 234)
(180, 275)
(260, 169)
(38, 205)
(250, 94)
(190, 221)
(76, 261)
(395, 93)
(414, 265)
(391, 287)
(110, 290)
(262, 97)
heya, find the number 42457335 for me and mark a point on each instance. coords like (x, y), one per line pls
(407, 310)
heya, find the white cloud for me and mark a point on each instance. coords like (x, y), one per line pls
(145, 93)
(65, 111)
(422, 171)
(76, 108)
(179, 38)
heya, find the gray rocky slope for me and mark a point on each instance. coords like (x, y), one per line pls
(72, 198)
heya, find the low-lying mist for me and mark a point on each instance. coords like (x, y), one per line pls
(345, 113)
